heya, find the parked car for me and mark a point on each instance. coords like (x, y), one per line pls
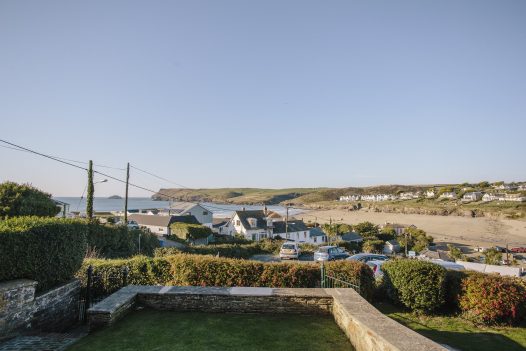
(366, 257)
(289, 250)
(330, 253)
(132, 225)
(518, 250)
(376, 266)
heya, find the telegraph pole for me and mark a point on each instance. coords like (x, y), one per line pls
(287, 222)
(91, 191)
(330, 228)
(126, 198)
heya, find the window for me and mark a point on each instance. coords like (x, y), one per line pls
(238, 222)
(315, 239)
(205, 213)
(160, 229)
(288, 236)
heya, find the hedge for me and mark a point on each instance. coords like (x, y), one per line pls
(199, 270)
(418, 285)
(188, 231)
(112, 241)
(222, 250)
(493, 299)
(47, 250)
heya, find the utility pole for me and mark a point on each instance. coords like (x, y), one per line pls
(507, 256)
(126, 198)
(91, 191)
(330, 229)
(287, 222)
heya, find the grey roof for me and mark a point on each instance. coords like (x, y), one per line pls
(393, 242)
(438, 254)
(352, 236)
(293, 226)
(316, 231)
(161, 221)
(259, 215)
(183, 207)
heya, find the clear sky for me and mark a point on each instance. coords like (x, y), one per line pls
(264, 93)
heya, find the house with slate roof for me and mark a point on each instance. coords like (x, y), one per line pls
(203, 215)
(160, 225)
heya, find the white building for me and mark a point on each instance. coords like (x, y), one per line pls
(448, 195)
(430, 194)
(203, 215)
(472, 196)
(391, 247)
(515, 197)
(348, 198)
(160, 225)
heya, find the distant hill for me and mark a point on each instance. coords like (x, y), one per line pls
(295, 196)
(115, 197)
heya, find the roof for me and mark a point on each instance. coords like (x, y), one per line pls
(392, 242)
(183, 207)
(161, 221)
(293, 226)
(436, 255)
(316, 231)
(259, 215)
(351, 236)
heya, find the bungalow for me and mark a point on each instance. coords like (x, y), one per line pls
(317, 236)
(203, 215)
(428, 254)
(160, 225)
(515, 197)
(492, 197)
(472, 196)
(294, 230)
(391, 247)
(64, 208)
(351, 237)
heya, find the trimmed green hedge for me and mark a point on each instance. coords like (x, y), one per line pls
(188, 231)
(418, 285)
(201, 270)
(48, 250)
(112, 241)
(222, 250)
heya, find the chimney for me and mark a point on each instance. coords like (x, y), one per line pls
(243, 209)
(265, 210)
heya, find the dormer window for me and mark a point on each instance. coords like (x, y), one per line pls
(253, 222)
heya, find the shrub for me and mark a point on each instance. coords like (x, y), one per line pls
(453, 285)
(187, 231)
(120, 242)
(418, 285)
(48, 250)
(493, 299)
(25, 200)
(353, 272)
(202, 270)
(222, 250)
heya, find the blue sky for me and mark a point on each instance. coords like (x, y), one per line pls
(264, 93)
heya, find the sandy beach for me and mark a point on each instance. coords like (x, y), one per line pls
(473, 232)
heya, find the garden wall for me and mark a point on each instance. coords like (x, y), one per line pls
(366, 327)
(53, 310)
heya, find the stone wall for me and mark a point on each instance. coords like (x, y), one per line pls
(364, 325)
(53, 310)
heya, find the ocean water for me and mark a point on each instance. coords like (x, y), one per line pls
(102, 204)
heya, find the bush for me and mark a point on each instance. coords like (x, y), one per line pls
(493, 299)
(48, 250)
(119, 241)
(222, 250)
(25, 200)
(199, 270)
(188, 231)
(418, 285)
(354, 272)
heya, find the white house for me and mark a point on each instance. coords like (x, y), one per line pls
(472, 196)
(160, 225)
(430, 194)
(448, 195)
(203, 215)
(515, 197)
(317, 236)
(350, 198)
(391, 247)
(494, 197)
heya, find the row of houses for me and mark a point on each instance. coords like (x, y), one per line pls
(381, 197)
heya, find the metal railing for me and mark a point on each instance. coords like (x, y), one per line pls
(333, 281)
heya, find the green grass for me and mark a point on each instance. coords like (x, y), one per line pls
(458, 332)
(165, 330)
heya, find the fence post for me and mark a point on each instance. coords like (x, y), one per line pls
(125, 272)
(322, 275)
(87, 302)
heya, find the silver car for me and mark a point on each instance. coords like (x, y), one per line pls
(366, 257)
(289, 251)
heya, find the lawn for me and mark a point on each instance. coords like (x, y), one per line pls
(166, 330)
(458, 332)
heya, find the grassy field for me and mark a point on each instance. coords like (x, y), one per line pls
(458, 332)
(165, 330)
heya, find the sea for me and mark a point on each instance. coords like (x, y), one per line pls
(102, 204)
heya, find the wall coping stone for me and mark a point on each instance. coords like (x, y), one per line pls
(16, 284)
(366, 327)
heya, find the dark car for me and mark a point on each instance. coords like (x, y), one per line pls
(330, 253)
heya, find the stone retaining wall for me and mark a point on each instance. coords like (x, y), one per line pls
(364, 325)
(53, 310)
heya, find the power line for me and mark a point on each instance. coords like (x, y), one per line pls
(159, 177)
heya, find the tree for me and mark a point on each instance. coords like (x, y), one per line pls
(25, 200)
(455, 252)
(331, 230)
(91, 191)
(387, 233)
(483, 185)
(367, 229)
(372, 246)
(492, 256)
(415, 239)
